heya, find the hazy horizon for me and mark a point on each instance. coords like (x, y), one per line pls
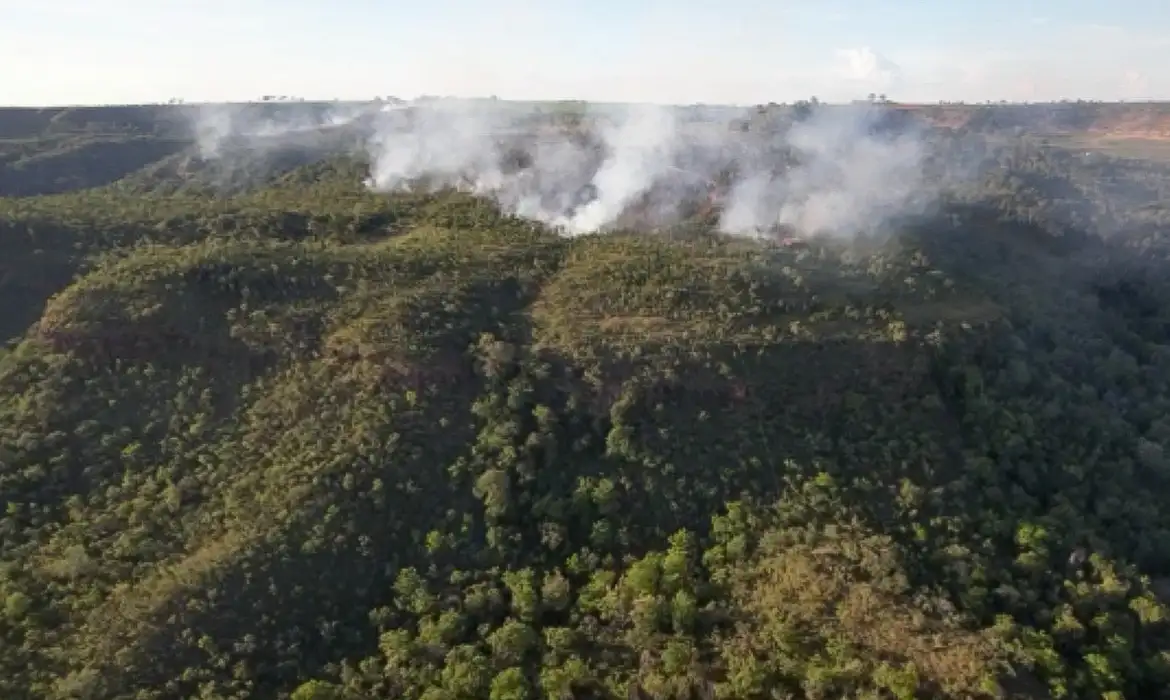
(735, 108)
(79, 52)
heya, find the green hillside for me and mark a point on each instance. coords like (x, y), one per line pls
(291, 439)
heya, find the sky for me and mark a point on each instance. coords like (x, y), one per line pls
(55, 52)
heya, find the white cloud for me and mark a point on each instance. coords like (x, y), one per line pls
(1135, 85)
(868, 68)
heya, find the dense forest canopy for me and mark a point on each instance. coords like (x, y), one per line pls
(268, 432)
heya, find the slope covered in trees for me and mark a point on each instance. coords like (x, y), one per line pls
(300, 440)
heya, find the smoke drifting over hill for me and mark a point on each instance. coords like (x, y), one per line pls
(833, 170)
(222, 127)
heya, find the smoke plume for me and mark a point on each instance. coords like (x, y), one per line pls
(835, 170)
(219, 128)
(846, 179)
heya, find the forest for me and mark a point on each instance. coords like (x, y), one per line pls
(267, 433)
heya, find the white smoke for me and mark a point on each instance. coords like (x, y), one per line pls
(641, 150)
(443, 144)
(220, 127)
(832, 171)
(847, 179)
(563, 181)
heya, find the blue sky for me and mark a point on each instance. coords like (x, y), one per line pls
(732, 51)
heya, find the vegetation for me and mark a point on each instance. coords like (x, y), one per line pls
(289, 438)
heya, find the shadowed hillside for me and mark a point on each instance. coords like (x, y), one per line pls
(267, 433)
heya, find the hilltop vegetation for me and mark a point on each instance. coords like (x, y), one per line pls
(272, 435)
